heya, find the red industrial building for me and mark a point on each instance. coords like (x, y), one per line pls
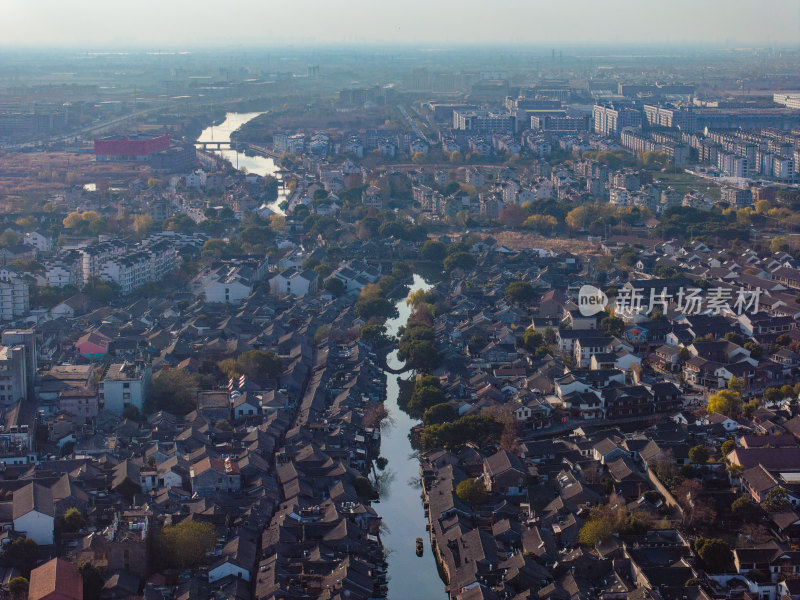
(138, 147)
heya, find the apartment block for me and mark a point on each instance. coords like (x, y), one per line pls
(14, 299)
(612, 119)
(484, 121)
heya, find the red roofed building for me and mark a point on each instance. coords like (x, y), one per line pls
(136, 147)
(57, 579)
(93, 345)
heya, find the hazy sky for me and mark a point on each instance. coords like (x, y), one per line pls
(171, 23)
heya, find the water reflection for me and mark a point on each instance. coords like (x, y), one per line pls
(400, 507)
(260, 165)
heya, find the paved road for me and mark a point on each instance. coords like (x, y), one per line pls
(412, 123)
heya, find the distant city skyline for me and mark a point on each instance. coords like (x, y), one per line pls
(202, 23)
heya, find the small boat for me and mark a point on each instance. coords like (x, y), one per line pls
(420, 547)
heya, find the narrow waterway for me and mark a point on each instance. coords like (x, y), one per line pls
(401, 504)
(260, 165)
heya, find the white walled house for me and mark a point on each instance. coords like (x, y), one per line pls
(124, 384)
(173, 472)
(231, 289)
(237, 560)
(195, 179)
(584, 348)
(245, 405)
(294, 282)
(38, 240)
(169, 478)
(34, 513)
(373, 197)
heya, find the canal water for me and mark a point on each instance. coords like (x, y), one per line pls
(400, 489)
(260, 165)
(400, 504)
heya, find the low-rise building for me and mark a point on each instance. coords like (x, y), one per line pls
(212, 476)
(124, 384)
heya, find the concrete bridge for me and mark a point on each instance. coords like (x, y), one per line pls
(215, 145)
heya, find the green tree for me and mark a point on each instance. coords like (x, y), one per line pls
(744, 508)
(101, 291)
(595, 531)
(371, 303)
(173, 390)
(259, 365)
(256, 235)
(427, 393)
(460, 260)
(374, 335)
(478, 429)
(335, 286)
(369, 306)
(472, 491)
(185, 545)
(9, 238)
(417, 347)
(420, 158)
(21, 553)
(367, 228)
(532, 340)
(391, 229)
(727, 447)
(181, 223)
(214, 248)
(433, 250)
(324, 270)
(715, 554)
(270, 188)
(756, 351)
(363, 488)
(72, 520)
(777, 500)
(541, 223)
(612, 325)
(698, 454)
(779, 244)
(519, 292)
(49, 296)
(580, 216)
(439, 413)
(131, 412)
(18, 588)
(725, 402)
(72, 221)
(735, 384)
(734, 337)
